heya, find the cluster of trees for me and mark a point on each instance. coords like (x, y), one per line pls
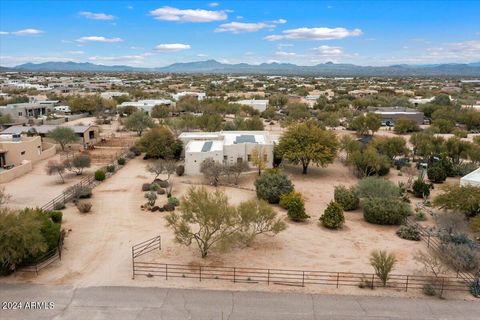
(26, 236)
(76, 164)
(214, 122)
(88, 103)
(160, 143)
(214, 172)
(210, 221)
(63, 136)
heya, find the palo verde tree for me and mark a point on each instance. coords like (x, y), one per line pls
(160, 143)
(306, 143)
(259, 159)
(63, 136)
(366, 124)
(208, 220)
(138, 121)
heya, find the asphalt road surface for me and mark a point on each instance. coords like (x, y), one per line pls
(119, 303)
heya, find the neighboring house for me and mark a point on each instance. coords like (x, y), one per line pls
(227, 147)
(419, 100)
(473, 179)
(14, 149)
(362, 93)
(259, 105)
(27, 110)
(111, 94)
(62, 109)
(146, 105)
(88, 134)
(390, 115)
(200, 95)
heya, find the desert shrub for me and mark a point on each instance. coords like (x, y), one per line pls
(151, 197)
(475, 225)
(385, 211)
(56, 216)
(130, 155)
(462, 257)
(161, 191)
(420, 216)
(162, 183)
(347, 198)
(111, 168)
(296, 208)
(169, 207)
(429, 290)
(383, 263)
(121, 161)
(146, 186)
(436, 173)
(373, 187)
(420, 188)
(135, 150)
(464, 168)
(272, 184)
(460, 133)
(405, 125)
(475, 288)
(333, 217)
(174, 201)
(81, 192)
(154, 187)
(99, 175)
(180, 170)
(84, 207)
(408, 233)
(59, 206)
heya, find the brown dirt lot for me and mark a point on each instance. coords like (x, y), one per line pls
(98, 245)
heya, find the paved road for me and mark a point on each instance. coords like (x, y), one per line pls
(121, 303)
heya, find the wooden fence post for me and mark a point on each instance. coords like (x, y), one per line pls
(338, 278)
(406, 285)
(234, 274)
(200, 274)
(268, 277)
(133, 265)
(373, 279)
(166, 271)
(303, 278)
(441, 290)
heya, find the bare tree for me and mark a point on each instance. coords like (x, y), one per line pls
(55, 167)
(212, 170)
(238, 169)
(78, 163)
(451, 222)
(161, 166)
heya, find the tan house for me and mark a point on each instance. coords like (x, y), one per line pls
(88, 134)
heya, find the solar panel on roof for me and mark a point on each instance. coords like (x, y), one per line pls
(207, 146)
(244, 138)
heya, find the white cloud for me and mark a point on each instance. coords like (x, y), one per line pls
(455, 51)
(239, 17)
(202, 55)
(213, 4)
(315, 34)
(172, 47)
(99, 39)
(279, 21)
(96, 16)
(239, 27)
(188, 15)
(285, 54)
(328, 51)
(75, 52)
(23, 32)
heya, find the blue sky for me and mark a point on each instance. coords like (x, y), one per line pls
(158, 33)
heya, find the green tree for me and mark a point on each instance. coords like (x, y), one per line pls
(295, 205)
(333, 217)
(160, 111)
(272, 184)
(63, 136)
(383, 264)
(391, 147)
(464, 199)
(366, 124)
(160, 143)
(307, 143)
(209, 220)
(404, 125)
(442, 100)
(259, 159)
(138, 121)
(368, 162)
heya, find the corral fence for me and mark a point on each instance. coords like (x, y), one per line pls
(68, 193)
(286, 277)
(45, 260)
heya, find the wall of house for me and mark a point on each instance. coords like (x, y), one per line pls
(193, 160)
(243, 150)
(15, 172)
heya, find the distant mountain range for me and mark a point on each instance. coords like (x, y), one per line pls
(215, 67)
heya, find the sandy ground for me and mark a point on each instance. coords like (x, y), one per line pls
(98, 245)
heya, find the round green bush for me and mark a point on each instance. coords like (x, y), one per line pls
(409, 233)
(272, 184)
(333, 217)
(56, 216)
(385, 211)
(121, 161)
(110, 168)
(174, 201)
(347, 198)
(154, 187)
(421, 189)
(99, 175)
(436, 173)
(294, 204)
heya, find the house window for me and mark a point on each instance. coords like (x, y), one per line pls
(225, 158)
(91, 135)
(249, 157)
(239, 160)
(20, 114)
(22, 153)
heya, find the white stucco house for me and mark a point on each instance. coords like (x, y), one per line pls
(227, 147)
(473, 179)
(146, 105)
(260, 105)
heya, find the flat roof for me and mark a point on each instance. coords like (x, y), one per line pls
(43, 129)
(204, 146)
(473, 176)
